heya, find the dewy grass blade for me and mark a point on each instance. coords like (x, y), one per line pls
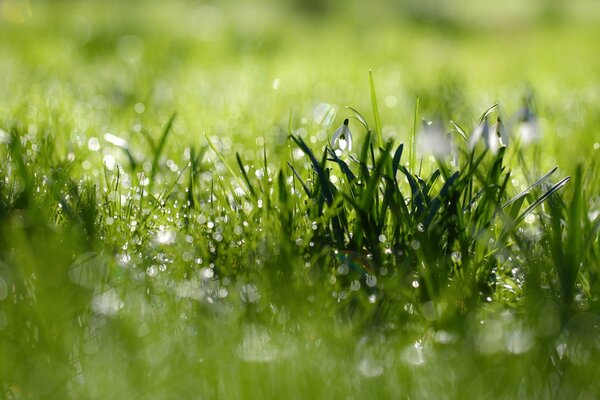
(375, 110)
(161, 145)
(241, 182)
(526, 191)
(412, 149)
(244, 174)
(297, 175)
(460, 131)
(533, 206)
(487, 112)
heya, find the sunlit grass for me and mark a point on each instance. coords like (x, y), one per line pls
(177, 218)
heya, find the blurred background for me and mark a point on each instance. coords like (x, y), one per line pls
(238, 69)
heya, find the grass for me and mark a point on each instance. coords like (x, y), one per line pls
(173, 232)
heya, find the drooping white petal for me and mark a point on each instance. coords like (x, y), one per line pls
(336, 135)
(349, 138)
(433, 140)
(481, 130)
(529, 130)
(498, 132)
(342, 137)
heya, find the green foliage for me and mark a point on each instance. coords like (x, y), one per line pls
(230, 250)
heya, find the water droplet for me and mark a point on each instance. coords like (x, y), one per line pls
(415, 244)
(222, 292)
(152, 271)
(249, 293)
(107, 303)
(354, 285)
(164, 236)
(324, 114)
(94, 144)
(413, 354)
(370, 280)
(529, 218)
(343, 269)
(207, 273)
(456, 256)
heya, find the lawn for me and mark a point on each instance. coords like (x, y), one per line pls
(299, 199)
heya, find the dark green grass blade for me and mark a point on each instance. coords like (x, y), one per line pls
(317, 166)
(297, 175)
(161, 145)
(244, 174)
(573, 248)
(343, 166)
(396, 159)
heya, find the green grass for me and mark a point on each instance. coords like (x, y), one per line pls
(175, 223)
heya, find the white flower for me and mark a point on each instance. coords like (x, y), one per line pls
(343, 137)
(481, 131)
(498, 130)
(493, 137)
(528, 127)
(433, 140)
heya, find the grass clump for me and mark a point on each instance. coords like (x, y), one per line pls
(436, 276)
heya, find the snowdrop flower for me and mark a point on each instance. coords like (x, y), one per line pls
(528, 127)
(343, 137)
(433, 140)
(498, 130)
(493, 137)
(481, 131)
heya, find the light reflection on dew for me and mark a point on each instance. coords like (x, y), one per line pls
(324, 114)
(164, 236)
(249, 293)
(370, 280)
(413, 354)
(107, 303)
(456, 256)
(207, 273)
(94, 144)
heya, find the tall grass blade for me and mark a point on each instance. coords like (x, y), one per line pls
(375, 110)
(412, 149)
(161, 145)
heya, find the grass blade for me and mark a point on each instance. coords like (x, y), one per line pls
(375, 110)
(161, 145)
(412, 151)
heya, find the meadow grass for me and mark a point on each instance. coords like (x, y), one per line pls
(178, 228)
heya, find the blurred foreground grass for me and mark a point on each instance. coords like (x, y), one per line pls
(138, 262)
